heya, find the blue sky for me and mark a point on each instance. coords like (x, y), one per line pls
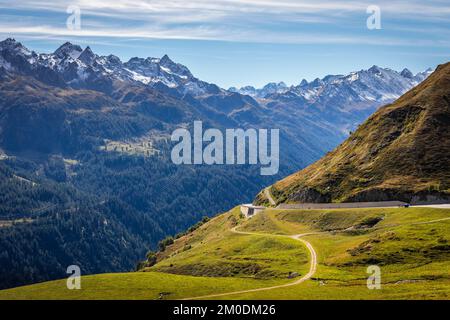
(236, 42)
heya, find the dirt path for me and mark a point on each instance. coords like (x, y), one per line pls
(312, 269)
(269, 196)
(432, 221)
(437, 206)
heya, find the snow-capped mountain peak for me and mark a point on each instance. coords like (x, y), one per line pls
(15, 46)
(269, 89)
(87, 56)
(165, 60)
(317, 83)
(304, 82)
(68, 50)
(407, 73)
(375, 69)
(174, 68)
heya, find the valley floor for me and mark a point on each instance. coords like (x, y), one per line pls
(229, 257)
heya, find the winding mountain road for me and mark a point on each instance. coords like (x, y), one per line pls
(269, 196)
(312, 268)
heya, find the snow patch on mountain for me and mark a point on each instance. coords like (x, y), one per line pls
(268, 89)
(5, 64)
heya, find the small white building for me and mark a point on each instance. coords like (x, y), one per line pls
(249, 210)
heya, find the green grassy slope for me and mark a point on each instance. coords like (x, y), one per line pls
(133, 285)
(213, 250)
(411, 246)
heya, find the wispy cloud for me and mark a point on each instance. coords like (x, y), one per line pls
(285, 21)
(205, 34)
(231, 7)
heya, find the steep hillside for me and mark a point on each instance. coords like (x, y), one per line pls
(402, 152)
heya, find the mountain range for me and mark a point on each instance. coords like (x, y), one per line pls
(374, 84)
(70, 65)
(341, 102)
(85, 151)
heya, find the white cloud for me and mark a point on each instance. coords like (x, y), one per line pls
(227, 20)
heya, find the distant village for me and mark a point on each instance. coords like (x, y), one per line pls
(142, 148)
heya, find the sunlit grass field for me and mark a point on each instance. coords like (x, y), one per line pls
(410, 245)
